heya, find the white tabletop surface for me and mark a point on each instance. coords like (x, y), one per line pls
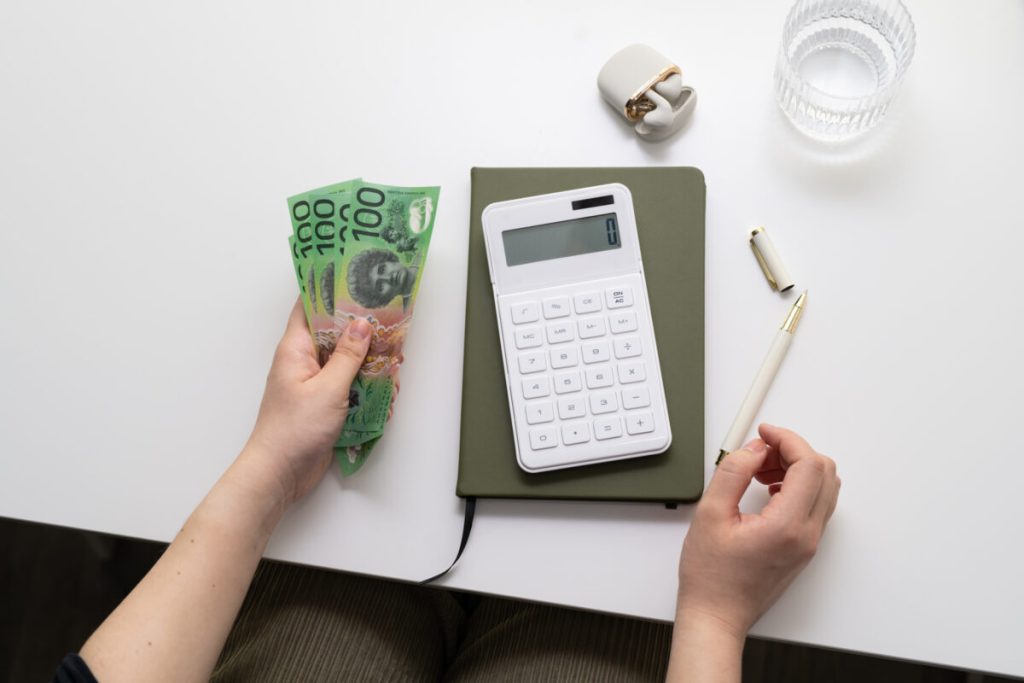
(146, 151)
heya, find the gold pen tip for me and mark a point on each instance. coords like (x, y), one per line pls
(791, 321)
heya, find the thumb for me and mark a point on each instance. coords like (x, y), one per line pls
(732, 478)
(343, 365)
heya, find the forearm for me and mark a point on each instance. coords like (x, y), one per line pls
(174, 623)
(704, 650)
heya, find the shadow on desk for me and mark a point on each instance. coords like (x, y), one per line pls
(57, 585)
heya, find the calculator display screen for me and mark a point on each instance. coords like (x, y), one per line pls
(561, 239)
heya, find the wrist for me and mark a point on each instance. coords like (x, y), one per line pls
(704, 649)
(251, 492)
(708, 625)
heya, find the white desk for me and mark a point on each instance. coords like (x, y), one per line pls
(145, 157)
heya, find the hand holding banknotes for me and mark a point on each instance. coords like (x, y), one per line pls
(174, 624)
(304, 406)
(358, 249)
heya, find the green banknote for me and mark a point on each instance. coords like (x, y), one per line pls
(358, 249)
(319, 229)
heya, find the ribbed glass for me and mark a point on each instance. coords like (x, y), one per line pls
(880, 33)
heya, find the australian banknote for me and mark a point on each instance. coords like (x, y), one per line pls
(358, 249)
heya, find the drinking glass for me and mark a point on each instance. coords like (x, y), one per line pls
(841, 63)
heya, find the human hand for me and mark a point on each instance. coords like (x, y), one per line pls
(734, 566)
(304, 407)
(189, 600)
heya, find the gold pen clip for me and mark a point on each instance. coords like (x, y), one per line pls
(768, 258)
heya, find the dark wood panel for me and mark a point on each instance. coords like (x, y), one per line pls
(56, 586)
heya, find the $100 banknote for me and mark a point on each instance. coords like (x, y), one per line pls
(358, 249)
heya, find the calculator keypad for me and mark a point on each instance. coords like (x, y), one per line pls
(536, 387)
(527, 312)
(543, 437)
(567, 382)
(608, 428)
(600, 376)
(585, 372)
(532, 361)
(556, 307)
(639, 423)
(622, 321)
(591, 326)
(619, 297)
(564, 357)
(528, 337)
(560, 332)
(539, 411)
(627, 347)
(603, 402)
(574, 433)
(596, 352)
(588, 302)
(630, 373)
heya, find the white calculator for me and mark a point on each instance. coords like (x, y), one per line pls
(581, 364)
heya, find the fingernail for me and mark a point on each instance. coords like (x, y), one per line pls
(358, 329)
(757, 447)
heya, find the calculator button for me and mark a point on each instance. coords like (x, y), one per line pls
(571, 407)
(560, 332)
(575, 433)
(619, 297)
(557, 307)
(636, 398)
(526, 312)
(599, 377)
(535, 387)
(540, 411)
(591, 327)
(603, 402)
(627, 347)
(587, 303)
(543, 437)
(632, 372)
(532, 362)
(528, 337)
(567, 382)
(595, 352)
(564, 358)
(623, 322)
(639, 423)
(608, 428)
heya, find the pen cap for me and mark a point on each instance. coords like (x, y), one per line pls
(768, 258)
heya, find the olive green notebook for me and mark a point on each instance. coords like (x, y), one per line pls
(669, 207)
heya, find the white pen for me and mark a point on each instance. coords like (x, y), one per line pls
(755, 396)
